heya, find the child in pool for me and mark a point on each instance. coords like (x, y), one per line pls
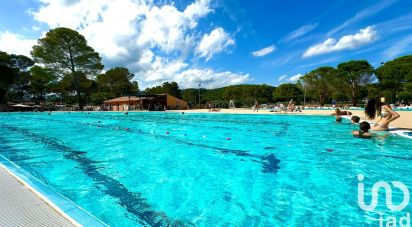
(364, 130)
(355, 119)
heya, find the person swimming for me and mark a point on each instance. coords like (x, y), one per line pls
(355, 119)
(364, 130)
(380, 108)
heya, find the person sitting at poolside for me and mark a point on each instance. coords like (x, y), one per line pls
(355, 119)
(380, 108)
(364, 130)
(339, 112)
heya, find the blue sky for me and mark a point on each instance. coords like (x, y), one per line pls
(220, 42)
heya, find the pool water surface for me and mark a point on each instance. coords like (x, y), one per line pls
(161, 169)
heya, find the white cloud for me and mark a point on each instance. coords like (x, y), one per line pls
(210, 78)
(368, 12)
(305, 29)
(363, 37)
(16, 44)
(109, 26)
(159, 70)
(197, 10)
(401, 46)
(123, 29)
(264, 51)
(217, 41)
(282, 77)
(168, 28)
(152, 40)
(295, 77)
(35, 28)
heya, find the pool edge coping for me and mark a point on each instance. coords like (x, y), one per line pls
(61, 204)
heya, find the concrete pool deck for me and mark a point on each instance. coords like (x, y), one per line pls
(20, 206)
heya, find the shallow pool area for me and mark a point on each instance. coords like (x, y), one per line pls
(161, 169)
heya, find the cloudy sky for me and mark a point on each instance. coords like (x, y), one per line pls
(218, 42)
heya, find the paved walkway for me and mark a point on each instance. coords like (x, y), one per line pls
(21, 207)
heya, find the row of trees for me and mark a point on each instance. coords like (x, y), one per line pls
(67, 67)
(64, 68)
(356, 80)
(349, 82)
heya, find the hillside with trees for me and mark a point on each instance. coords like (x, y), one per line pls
(64, 69)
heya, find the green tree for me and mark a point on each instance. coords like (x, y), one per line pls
(65, 52)
(14, 74)
(40, 81)
(285, 92)
(372, 90)
(22, 64)
(172, 89)
(117, 82)
(264, 93)
(7, 75)
(166, 88)
(320, 82)
(356, 74)
(190, 95)
(396, 76)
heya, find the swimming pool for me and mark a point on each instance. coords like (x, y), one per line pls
(158, 169)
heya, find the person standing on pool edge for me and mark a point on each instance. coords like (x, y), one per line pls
(256, 106)
(380, 108)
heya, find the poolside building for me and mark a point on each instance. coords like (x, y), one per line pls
(156, 102)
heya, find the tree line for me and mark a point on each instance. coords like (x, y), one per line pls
(67, 70)
(64, 68)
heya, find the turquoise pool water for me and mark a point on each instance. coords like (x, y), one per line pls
(159, 169)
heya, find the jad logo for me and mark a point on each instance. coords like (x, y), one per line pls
(404, 221)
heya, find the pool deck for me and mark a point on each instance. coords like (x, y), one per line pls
(20, 206)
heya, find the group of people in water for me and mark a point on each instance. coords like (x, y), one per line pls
(375, 108)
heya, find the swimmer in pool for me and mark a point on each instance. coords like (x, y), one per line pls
(355, 119)
(364, 130)
(384, 111)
